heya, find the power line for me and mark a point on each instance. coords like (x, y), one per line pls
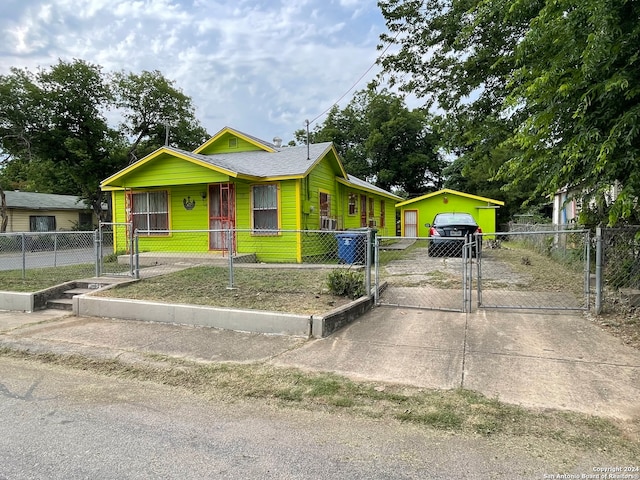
(307, 122)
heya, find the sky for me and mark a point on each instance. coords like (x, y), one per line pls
(263, 67)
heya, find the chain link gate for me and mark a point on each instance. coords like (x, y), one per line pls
(421, 272)
(548, 270)
(115, 249)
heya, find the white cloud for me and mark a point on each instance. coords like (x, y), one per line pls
(260, 66)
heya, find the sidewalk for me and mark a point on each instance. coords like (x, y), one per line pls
(62, 333)
(539, 360)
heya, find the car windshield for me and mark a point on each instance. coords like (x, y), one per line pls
(454, 219)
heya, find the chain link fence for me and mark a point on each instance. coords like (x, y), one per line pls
(618, 268)
(28, 254)
(158, 252)
(530, 266)
(535, 267)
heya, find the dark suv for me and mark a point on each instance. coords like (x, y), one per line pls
(447, 234)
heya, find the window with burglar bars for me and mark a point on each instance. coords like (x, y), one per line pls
(42, 223)
(264, 207)
(150, 210)
(353, 201)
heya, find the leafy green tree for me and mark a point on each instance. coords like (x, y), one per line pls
(547, 89)
(150, 103)
(457, 57)
(54, 135)
(381, 140)
(579, 81)
(54, 129)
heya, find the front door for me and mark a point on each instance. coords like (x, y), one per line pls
(410, 223)
(221, 214)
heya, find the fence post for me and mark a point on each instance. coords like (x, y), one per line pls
(55, 249)
(376, 263)
(598, 270)
(97, 250)
(367, 269)
(479, 267)
(465, 273)
(587, 267)
(136, 255)
(230, 254)
(24, 256)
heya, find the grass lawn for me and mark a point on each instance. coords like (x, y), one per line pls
(292, 290)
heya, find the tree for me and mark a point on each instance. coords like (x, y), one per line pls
(457, 57)
(579, 81)
(381, 140)
(150, 103)
(54, 130)
(54, 135)
(553, 85)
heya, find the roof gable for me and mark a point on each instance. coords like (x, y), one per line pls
(449, 192)
(229, 140)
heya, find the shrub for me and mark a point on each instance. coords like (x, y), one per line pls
(346, 283)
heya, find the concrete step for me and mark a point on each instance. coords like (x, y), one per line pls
(76, 291)
(60, 303)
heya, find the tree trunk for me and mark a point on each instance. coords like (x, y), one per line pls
(4, 215)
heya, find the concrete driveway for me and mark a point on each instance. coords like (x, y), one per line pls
(545, 360)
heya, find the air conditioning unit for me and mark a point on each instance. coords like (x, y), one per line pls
(327, 223)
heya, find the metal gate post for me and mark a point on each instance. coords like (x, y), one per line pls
(479, 268)
(465, 274)
(24, 256)
(376, 262)
(367, 268)
(598, 270)
(136, 253)
(229, 240)
(587, 268)
(97, 250)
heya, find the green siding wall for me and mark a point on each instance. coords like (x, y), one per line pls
(221, 145)
(168, 170)
(268, 248)
(428, 208)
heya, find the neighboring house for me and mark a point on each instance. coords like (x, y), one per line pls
(45, 212)
(417, 213)
(567, 203)
(237, 181)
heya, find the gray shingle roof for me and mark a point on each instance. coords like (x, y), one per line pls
(43, 201)
(283, 162)
(361, 183)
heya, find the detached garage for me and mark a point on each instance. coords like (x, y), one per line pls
(416, 213)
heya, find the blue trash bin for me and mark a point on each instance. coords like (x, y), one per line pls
(351, 247)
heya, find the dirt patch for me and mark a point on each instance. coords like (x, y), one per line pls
(623, 323)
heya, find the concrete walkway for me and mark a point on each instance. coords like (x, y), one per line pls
(560, 361)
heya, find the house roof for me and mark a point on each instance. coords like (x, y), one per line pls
(450, 192)
(43, 201)
(282, 162)
(268, 163)
(355, 181)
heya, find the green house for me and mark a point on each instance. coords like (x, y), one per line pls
(237, 181)
(417, 213)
